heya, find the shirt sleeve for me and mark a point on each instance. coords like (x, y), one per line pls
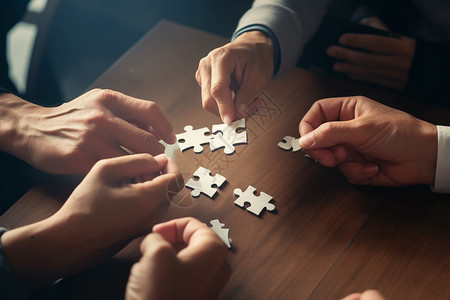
(293, 23)
(442, 179)
(10, 287)
(429, 76)
(2, 90)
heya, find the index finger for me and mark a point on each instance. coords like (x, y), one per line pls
(221, 72)
(130, 166)
(326, 110)
(373, 43)
(128, 107)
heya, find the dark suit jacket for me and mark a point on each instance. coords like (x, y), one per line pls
(11, 11)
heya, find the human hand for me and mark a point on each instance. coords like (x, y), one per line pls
(232, 76)
(135, 189)
(104, 213)
(71, 138)
(376, 59)
(366, 295)
(181, 259)
(370, 143)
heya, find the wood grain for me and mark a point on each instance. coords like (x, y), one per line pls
(327, 239)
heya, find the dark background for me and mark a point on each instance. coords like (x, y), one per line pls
(83, 38)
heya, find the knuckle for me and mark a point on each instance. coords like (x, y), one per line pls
(207, 103)
(102, 166)
(203, 63)
(97, 118)
(143, 157)
(159, 251)
(151, 107)
(327, 128)
(96, 90)
(216, 89)
(215, 53)
(106, 96)
(220, 54)
(193, 220)
(147, 138)
(198, 77)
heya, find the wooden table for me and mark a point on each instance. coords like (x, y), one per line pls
(328, 238)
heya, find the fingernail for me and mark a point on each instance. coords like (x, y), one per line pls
(227, 119)
(371, 170)
(307, 140)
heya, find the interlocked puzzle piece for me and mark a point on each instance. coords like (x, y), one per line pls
(193, 138)
(289, 143)
(257, 203)
(205, 183)
(217, 227)
(227, 136)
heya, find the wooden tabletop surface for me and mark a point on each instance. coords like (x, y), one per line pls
(327, 239)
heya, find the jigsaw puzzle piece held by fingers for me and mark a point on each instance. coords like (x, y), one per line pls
(257, 203)
(170, 149)
(205, 184)
(217, 227)
(193, 138)
(227, 136)
(289, 143)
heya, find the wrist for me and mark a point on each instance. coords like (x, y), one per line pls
(428, 158)
(13, 125)
(260, 39)
(266, 50)
(42, 252)
(255, 36)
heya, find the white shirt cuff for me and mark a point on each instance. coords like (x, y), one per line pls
(442, 179)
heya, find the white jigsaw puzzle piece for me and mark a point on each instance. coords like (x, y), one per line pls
(170, 149)
(193, 138)
(217, 227)
(257, 203)
(205, 183)
(226, 136)
(289, 143)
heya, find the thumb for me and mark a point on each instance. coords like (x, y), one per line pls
(330, 134)
(129, 166)
(371, 295)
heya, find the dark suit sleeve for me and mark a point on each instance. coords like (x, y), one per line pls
(11, 11)
(429, 77)
(10, 286)
(2, 90)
